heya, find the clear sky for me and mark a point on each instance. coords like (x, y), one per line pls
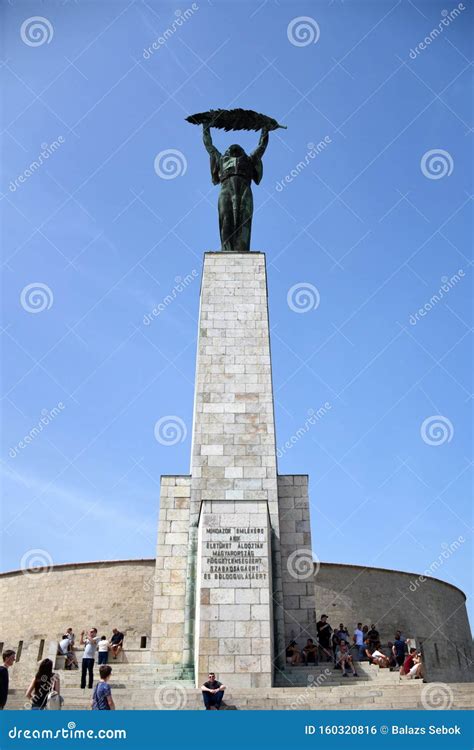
(371, 223)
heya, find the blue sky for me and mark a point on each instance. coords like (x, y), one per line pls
(375, 222)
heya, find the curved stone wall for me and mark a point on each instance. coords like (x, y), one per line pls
(429, 610)
(119, 594)
(81, 595)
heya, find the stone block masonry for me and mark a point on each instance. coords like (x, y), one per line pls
(233, 462)
(234, 567)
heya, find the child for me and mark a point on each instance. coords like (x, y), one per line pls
(103, 649)
(102, 697)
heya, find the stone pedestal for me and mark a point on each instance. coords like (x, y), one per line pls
(234, 614)
(233, 463)
(228, 589)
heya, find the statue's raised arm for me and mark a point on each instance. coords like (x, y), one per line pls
(213, 152)
(262, 145)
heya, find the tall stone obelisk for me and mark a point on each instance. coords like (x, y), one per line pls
(234, 572)
(234, 493)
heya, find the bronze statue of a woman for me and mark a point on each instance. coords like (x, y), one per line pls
(235, 170)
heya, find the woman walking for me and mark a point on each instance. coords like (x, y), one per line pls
(44, 683)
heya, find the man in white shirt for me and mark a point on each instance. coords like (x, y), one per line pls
(359, 641)
(88, 658)
(65, 649)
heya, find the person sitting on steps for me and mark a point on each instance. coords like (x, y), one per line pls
(344, 659)
(310, 652)
(379, 658)
(212, 692)
(116, 642)
(293, 653)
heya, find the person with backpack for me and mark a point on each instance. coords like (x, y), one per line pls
(102, 696)
(44, 687)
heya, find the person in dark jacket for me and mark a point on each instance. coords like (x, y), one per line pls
(8, 661)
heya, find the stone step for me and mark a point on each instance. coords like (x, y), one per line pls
(403, 696)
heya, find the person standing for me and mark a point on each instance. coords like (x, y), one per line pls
(103, 649)
(102, 697)
(43, 683)
(88, 658)
(399, 649)
(373, 636)
(324, 631)
(359, 641)
(8, 661)
(212, 692)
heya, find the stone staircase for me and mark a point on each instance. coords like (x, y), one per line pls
(160, 687)
(324, 675)
(353, 697)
